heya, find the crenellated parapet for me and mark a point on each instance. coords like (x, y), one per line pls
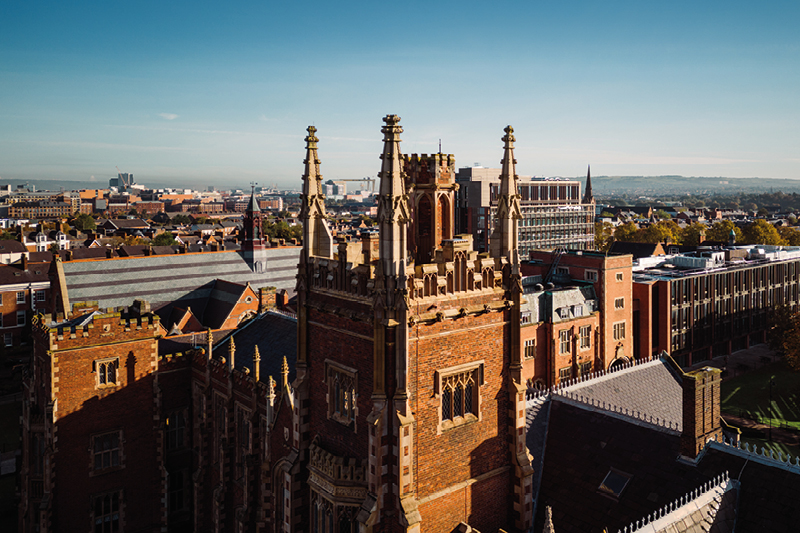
(430, 171)
(95, 330)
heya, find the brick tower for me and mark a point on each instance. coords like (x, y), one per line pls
(431, 182)
(410, 400)
(253, 245)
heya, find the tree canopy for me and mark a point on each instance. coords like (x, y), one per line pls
(84, 222)
(164, 239)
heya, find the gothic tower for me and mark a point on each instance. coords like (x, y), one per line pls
(409, 390)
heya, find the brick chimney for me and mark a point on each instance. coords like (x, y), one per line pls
(701, 417)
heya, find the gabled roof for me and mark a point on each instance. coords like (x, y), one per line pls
(161, 279)
(125, 223)
(276, 337)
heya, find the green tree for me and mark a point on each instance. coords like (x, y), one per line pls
(84, 222)
(663, 214)
(761, 232)
(603, 236)
(790, 235)
(606, 214)
(762, 212)
(719, 231)
(691, 234)
(665, 231)
(164, 239)
(626, 232)
(7, 236)
(181, 219)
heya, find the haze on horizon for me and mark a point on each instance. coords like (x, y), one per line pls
(195, 92)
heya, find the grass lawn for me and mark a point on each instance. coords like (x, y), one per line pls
(748, 395)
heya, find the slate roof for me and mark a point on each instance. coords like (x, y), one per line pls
(9, 246)
(652, 389)
(181, 343)
(161, 279)
(276, 337)
(576, 445)
(13, 274)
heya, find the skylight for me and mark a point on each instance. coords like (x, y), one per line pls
(614, 483)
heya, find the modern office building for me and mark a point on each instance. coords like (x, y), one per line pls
(554, 214)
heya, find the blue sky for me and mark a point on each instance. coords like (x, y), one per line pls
(210, 93)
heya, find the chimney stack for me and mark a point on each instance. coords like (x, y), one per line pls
(701, 415)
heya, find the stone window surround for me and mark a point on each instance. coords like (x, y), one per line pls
(94, 440)
(477, 369)
(101, 378)
(588, 337)
(619, 333)
(349, 376)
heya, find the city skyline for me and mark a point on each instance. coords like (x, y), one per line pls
(187, 93)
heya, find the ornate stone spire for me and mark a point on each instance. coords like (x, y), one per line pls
(317, 238)
(231, 351)
(257, 363)
(393, 211)
(548, 520)
(588, 198)
(284, 373)
(504, 237)
(209, 342)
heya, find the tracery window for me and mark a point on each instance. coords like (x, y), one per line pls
(342, 393)
(459, 392)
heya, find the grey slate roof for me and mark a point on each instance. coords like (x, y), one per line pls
(276, 338)
(651, 389)
(163, 279)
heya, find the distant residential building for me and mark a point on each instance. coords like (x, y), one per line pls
(43, 209)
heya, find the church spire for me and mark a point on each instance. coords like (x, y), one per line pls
(393, 213)
(317, 238)
(588, 198)
(503, 242)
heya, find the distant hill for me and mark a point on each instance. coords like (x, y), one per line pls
(603, 185)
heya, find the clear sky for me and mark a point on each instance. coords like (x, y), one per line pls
(221, 93)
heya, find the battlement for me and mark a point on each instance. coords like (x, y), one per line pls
(92, 329)
(433, 169)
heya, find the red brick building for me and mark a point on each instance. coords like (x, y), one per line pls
(611, 278)
(408, 345)
(24, 292)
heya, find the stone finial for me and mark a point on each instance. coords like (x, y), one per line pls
(317, 237)
(393, 204)
(231, 351)
(284, 373)
(548, 520)
(503, 243)
(257, 363)
(209, 342)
